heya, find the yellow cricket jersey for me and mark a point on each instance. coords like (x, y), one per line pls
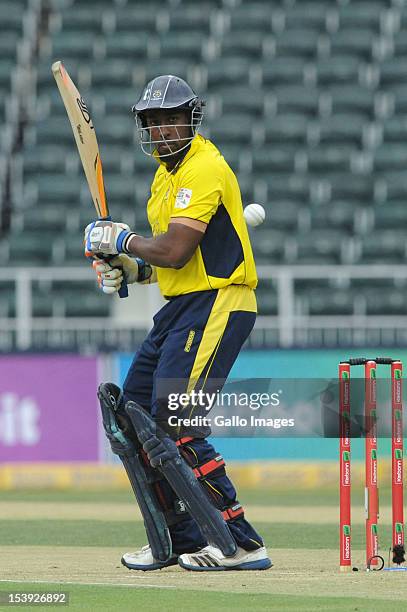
(203, 187)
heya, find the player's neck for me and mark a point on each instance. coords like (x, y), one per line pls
(172, 163)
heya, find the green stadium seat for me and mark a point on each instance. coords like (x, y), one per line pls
(354, 42)
(6, 73)
(329, 301)
(318, 247)
(386, 303)
(300, 43)
(281, 186)
(48, 217)
(281, 71)
(71, 44)
(136, 19)
(55, 187)
(268, 246)
(352, 187)
(250, 46)
(390, 216)
(395, 129)
(231, 128)
(322, 159)
(82, 19)
(338, 70)
(311, 15)
(342, 128)
(361, 15)
(251, 15)
(352, 99)
(229, 71)
(120, 189)
(54, 131)
(112, 75)
(383, 246)
(189, 44)
(282, 214)
(393, 71)
(8, 49)
(287, 128)
(297, 99)
(11, 18)
(127, 45)
(34, 250)
(336, 215)
(119, 130)
(190, 19)
(387, 158)
(241, 99)
(90, 305)
(267, 299)
(399, 99)
(154, 67)
(396, 185)
(275, 159)
(43, 159)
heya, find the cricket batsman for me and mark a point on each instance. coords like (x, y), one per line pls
(201, 257)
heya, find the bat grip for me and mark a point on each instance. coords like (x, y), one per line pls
(124, 290)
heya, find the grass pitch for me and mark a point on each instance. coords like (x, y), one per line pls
(62, 541)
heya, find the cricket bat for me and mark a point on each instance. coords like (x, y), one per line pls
(86, 141)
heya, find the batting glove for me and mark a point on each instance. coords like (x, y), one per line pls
(110, 274)
(106, 238)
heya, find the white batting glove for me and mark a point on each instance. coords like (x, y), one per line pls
(110, 275)
(106, 238)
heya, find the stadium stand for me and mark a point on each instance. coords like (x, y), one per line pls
(307, 100)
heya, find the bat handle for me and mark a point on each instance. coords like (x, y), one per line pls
(123, 291)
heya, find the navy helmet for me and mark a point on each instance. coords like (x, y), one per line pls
(167, 92)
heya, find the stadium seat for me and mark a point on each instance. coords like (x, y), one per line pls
(70, 44)
(353, 41)
(228, 71)
(329, 301)
(395, 129)
(386, 303)
(251, 15)
(249, 46)
(283, 214)
(350, 187)
(287, 128)
(281, 186)
(383, 246)
(187, 44)
(231, 128)
(396, 185)
(393, 71)
(361, 14)
(136, 19)
(54, 187)
(300, 43)
(297, 99)
(336, 215)
(390, 216)
(342, 128)
(268, 246)
(390, 157)
(119, 130)
(312, 15)
(338, 70)
(318, 247)
(8, 48)
(267, 300)
(275, 159)
(241, 99)
(11, 18)
(352, 99)
(127, 45)
(281, 71)
(323, 159)
(113, 74)
(81, 19)
(120, 189)
(34, 250)
(190, 19)
(46, 158)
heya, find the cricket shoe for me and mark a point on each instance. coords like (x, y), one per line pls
(143, 560)
(212, 559)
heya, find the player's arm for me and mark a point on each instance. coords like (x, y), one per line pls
(173, 249)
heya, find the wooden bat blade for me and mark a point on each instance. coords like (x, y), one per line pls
(85, 137)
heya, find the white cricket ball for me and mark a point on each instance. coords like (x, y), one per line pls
(254, 214)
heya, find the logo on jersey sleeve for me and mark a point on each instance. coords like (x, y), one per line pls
(183, 198)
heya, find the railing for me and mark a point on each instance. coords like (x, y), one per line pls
(286, 329)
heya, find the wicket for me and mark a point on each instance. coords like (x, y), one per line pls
(371, 465)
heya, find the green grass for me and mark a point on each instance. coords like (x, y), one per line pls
(266, 497)
(163, 600)
(123, 533)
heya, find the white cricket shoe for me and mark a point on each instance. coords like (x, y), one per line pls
(143, 560)
(212, 559)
